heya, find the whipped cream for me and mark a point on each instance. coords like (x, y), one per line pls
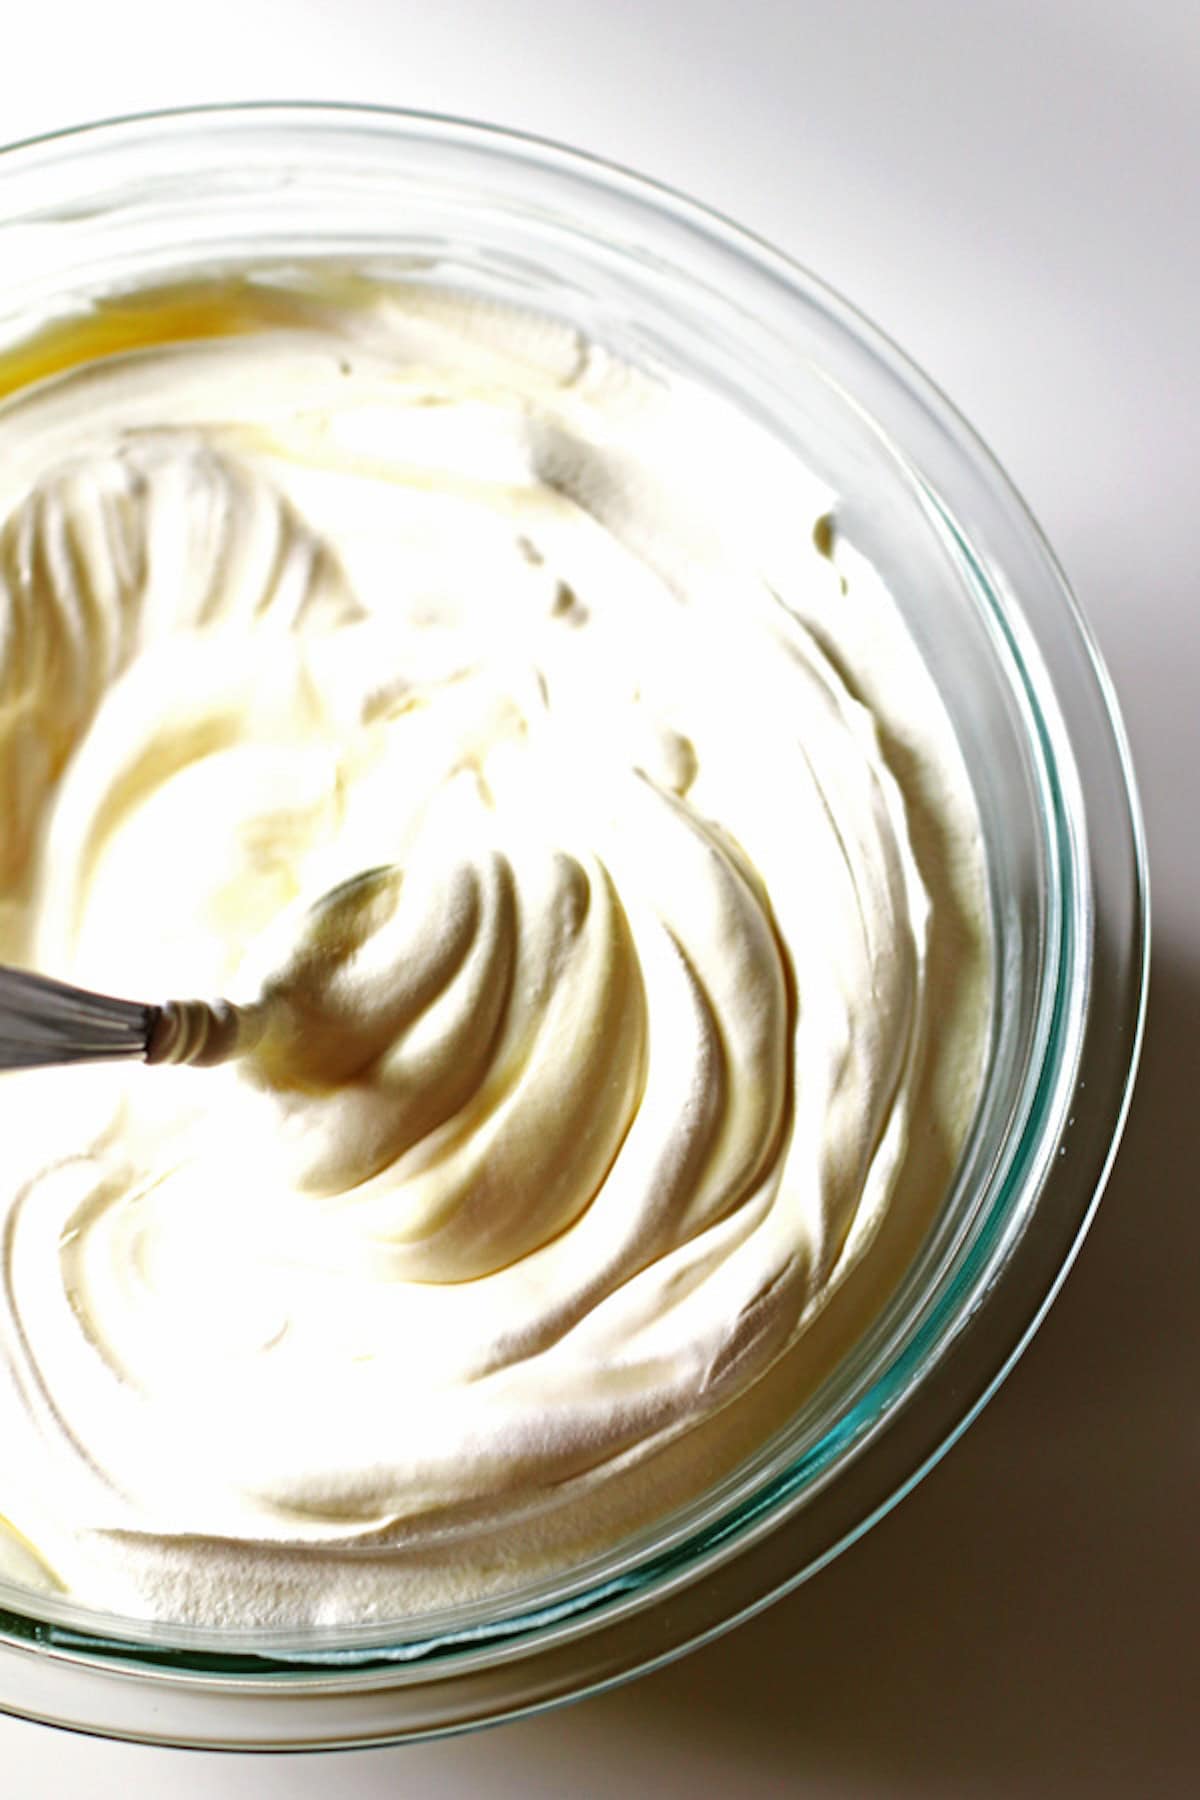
(511, 736)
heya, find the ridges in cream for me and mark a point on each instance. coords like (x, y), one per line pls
(471, 714)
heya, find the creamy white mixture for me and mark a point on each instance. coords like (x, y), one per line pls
(472, 709)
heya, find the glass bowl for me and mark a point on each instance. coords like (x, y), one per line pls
(658, 279)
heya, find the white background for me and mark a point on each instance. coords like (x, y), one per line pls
(1011, 188)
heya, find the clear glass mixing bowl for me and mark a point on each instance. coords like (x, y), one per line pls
(657, 278)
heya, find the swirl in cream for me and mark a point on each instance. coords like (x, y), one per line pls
(418, 677)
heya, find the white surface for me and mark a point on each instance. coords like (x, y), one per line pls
(1010, 188)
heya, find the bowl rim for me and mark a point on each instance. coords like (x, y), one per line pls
(600, 1645)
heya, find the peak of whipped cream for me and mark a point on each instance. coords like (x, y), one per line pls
(469, 708)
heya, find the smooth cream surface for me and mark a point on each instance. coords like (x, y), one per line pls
(470, 709)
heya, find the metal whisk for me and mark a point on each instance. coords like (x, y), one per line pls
(43, 1021)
